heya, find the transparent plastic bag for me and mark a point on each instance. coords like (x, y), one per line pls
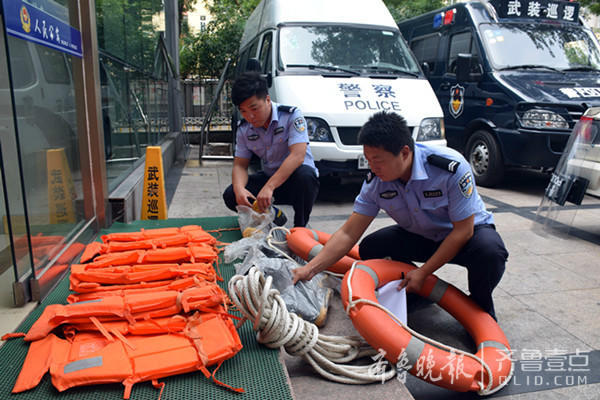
(253, 223)
(309, 299)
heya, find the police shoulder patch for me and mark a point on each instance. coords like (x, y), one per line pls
(465, 184)
(300, 124)
(388, 194)
(289, 109)
(443, 163)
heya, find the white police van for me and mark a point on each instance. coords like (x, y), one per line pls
(339, 61)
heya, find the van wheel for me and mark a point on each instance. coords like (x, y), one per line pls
(484, 156)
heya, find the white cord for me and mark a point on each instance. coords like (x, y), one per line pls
(482, 391)
(271, 242)
(260, 303)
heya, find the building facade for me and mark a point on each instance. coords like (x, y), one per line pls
(84, 88)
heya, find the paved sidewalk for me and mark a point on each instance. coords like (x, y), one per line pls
(547, 303)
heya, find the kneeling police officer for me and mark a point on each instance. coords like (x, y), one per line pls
(430, 193)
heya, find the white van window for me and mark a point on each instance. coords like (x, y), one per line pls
(54, 66)
(265, 52)
(540, 45)
(252, 51)
(23, 73)
(345, 46)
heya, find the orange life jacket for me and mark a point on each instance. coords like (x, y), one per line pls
(126, 274)
(91, 290)
(92, 358)
(148, 234)
(200, 252)
(132, 307)
(174, 323)
(181, 239)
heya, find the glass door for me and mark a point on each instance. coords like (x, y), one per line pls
(15, 244)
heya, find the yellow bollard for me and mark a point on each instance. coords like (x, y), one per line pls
(154, 200)
(61, 192)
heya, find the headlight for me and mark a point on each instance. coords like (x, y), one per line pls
(431, 129)
(542, 119)
(318, 130)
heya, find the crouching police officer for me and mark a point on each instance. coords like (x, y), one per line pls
(430, 193)
(277, 134)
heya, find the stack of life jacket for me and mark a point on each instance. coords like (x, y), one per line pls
(146, 306)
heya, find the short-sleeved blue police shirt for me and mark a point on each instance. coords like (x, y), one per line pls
(287, 127)
(433, 197)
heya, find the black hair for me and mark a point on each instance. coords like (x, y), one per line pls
(387, 131)
(247, 85)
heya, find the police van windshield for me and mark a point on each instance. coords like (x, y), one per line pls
(540, 46)
(342, 47)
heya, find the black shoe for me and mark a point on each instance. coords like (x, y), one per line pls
(279, 219)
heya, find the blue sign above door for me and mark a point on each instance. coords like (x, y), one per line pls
(28, 22)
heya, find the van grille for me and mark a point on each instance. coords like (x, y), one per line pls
(348, 135)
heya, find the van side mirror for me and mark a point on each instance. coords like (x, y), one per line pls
(426, 69)
(253, 65)
(467, 68)
(463, 67)
(269, 78)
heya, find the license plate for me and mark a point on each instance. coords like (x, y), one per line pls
(362, 162)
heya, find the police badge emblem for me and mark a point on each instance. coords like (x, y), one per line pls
(457, 100)
(300, 124)
(466, 184)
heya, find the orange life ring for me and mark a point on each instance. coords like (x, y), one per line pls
(428, 362)
(307, 243)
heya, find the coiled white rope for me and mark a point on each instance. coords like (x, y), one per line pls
(483, 391)
(260, 303)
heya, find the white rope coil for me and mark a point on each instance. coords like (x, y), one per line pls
(260, 303)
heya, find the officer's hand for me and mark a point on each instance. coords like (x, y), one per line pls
(264, 197)
(243, 197)
(413, 281)
(303, 273)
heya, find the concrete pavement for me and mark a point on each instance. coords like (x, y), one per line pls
(547, 303)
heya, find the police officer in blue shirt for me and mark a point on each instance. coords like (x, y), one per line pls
(430, 193)
(277, 135)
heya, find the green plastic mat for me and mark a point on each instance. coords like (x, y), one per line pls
(255, 368)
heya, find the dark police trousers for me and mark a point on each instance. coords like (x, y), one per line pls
(484, 256)
(300, 190)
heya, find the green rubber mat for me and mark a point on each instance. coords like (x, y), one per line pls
(255, 368)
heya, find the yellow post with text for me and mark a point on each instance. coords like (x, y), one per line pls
(154, 200)
(61, 192)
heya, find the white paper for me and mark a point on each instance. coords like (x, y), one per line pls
(393, 299)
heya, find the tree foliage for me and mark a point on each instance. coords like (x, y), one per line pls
(204, 54)
(404, 9)
(592, 5)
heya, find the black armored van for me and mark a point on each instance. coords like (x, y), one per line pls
(513, 77)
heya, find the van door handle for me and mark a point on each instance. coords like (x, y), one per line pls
(445, 86)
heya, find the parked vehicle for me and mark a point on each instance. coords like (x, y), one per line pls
(339, 61)
(513, 78)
